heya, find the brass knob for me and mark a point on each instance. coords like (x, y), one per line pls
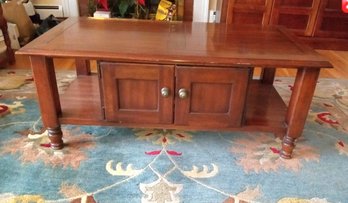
(165, 92)
(183, 93)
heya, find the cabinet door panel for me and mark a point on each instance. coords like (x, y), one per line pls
(142, 100)
(296, 3)
(251, 2)
(248, 12)
(331, 22)
(132, 92)
(216, 96)
(297, 22)
(247, 17)
(201, 92)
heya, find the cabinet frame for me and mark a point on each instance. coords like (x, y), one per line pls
(332, 36)
(132, 93)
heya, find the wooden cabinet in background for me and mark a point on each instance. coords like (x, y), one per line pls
(297, 15)
(210, 95)
(191, 76)
(131, 93)
(331, 21)
(248, 11)
(83, 7)
(319, 23)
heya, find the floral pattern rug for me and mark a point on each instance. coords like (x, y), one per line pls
(111, 164)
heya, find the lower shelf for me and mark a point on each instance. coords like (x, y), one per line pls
(81, 104)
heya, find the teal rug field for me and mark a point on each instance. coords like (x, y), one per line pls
(112, 164)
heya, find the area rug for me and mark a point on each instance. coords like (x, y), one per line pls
(112, 164)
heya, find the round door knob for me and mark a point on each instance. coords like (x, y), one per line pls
(165, 92)
(183, 93)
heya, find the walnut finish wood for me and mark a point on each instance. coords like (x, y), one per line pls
(46, 86)
(83, 67)
(265, 108)
(320, 23)
(299, 105)
(339, 59)
(224, 10)
(83, 7)
(207, 57)
(248, 12)
(297, 15)
(3, 26)
(188, 10)
(81, 102)
(55, 135)
(331, 21)
(197, 43)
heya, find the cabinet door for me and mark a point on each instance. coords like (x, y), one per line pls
(332, 22)
(297, 15)
(83, 7)
(248, 12)
(210, 97)
(135, 93)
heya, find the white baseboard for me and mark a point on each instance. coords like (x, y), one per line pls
(200, 10)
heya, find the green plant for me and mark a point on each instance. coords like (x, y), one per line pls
(130, 8)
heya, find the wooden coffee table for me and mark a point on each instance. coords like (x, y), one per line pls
(174, 75)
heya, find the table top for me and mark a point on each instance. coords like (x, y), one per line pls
(174, 43)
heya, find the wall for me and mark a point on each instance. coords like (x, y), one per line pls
(207, 10)
(70, 7)
(200, 10)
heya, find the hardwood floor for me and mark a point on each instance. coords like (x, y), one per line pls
(339, 60)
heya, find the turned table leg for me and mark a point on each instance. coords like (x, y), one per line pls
(300, 101)
(47, 92)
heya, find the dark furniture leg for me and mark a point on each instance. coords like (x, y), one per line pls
(267, 75)
(47, 91)
(82, 67)
(299, 104)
